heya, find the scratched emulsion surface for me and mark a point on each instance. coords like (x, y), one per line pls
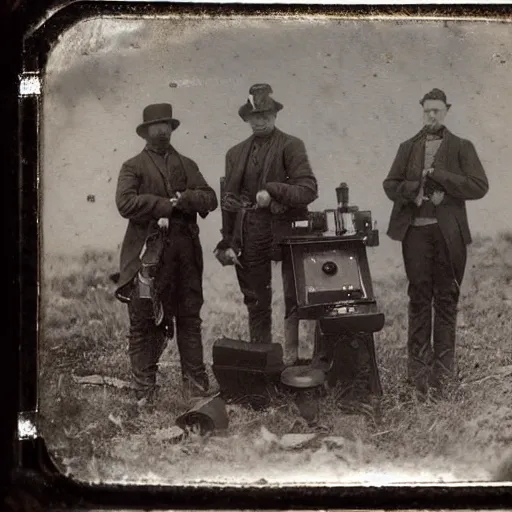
(351, 91)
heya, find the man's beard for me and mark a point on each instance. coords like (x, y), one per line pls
(160, 141)
(434, 127)
(263, 130)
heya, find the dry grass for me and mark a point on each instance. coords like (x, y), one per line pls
(96, 433)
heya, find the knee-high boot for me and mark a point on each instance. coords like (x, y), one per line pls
(291, 339)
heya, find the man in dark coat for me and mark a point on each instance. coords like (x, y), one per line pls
(161, 192)
(268, 181)
(433, 175)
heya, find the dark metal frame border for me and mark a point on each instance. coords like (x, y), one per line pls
(33, 473)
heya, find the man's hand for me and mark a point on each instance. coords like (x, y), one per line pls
(227, 257)
(163, 223)
(174, 200)
(231, 255)
(419, 198)
(277, 208)
(263, 199)
(437, 196)
(424, 174)
(427, 172)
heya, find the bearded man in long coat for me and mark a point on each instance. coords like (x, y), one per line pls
(268, 181)
(433, 175)
(161, 192)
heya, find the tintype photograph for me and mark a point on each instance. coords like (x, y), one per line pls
(277, 249)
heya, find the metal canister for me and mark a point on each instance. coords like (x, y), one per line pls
(146, 281)
(306, 384)
(348, 223)
(145, 286)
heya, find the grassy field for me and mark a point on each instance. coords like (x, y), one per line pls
(96, 432)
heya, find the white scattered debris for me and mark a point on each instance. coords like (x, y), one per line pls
(100, 380)
(291, 441)
(169, 434)
(116, 420)
(26, 429)
(30, 84)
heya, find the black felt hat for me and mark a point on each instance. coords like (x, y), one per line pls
(259, 100)
(157, 113)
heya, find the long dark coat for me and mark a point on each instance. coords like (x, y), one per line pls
(287, 176)
(142, 197)
(457, 169)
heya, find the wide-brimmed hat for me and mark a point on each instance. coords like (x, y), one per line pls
(259, 100)
(156, 113)
(207, 415)
(435, 94)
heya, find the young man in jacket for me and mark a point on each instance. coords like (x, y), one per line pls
(433, 175)
(268, 179)
(161, 192)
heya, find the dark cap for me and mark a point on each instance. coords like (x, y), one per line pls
(435, 94)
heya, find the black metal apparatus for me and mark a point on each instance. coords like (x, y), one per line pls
(247, 373)
(325, 257)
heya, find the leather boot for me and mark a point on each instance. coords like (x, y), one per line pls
(291, 340)
(195, 388)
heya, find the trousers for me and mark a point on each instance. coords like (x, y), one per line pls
(179, 287)
(255, 276)
(433, 292)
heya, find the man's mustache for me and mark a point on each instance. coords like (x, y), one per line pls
(160, 138)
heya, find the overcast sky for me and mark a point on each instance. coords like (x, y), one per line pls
(350, 90)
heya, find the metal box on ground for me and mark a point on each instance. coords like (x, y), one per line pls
(247, 373)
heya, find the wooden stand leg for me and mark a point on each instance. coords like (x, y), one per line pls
(352, 361)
